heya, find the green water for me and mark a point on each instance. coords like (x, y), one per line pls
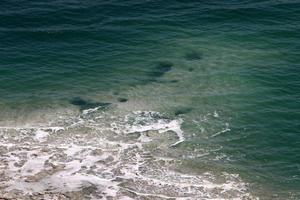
(230, 69)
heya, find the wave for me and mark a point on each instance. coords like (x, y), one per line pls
(105, 155)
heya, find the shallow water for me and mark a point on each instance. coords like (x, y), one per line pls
(150, 100)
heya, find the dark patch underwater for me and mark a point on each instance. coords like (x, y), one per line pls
(87, 104)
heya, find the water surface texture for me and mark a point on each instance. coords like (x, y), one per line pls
(150, 99)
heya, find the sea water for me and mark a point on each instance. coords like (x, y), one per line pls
(149, 99)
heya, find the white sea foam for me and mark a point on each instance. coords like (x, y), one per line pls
(152, 121)
(105, 157)
(41, 135)
(91, 110)
(222, 131)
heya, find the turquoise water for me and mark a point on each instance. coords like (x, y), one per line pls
(228, 69)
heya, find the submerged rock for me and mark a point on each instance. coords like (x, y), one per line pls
(174, 81)
(193, 55)
(122, 99)
(78, 101)
(116, 93)
(183, 110)
(161, 68)
(87, 104)
(191, 69)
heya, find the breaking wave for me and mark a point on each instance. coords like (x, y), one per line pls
(101, 155)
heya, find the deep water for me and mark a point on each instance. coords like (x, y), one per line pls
(229, 69)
